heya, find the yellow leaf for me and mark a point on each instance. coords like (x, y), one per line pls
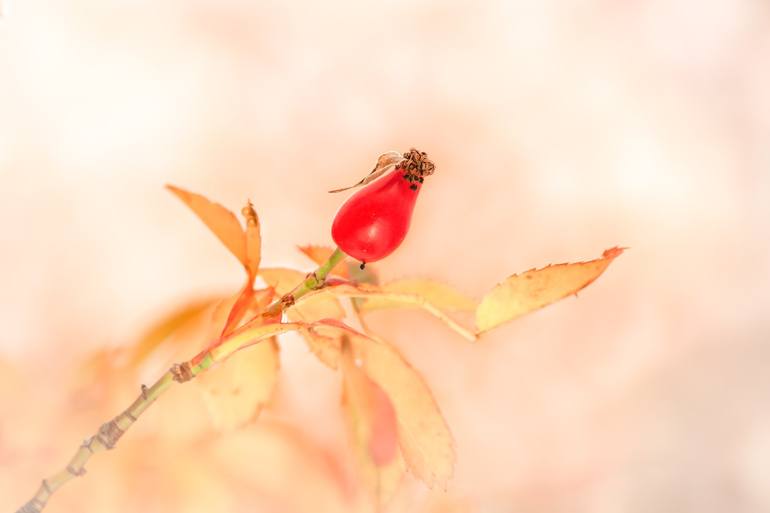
(250, 334)
(235, 390)
(373, 430)
(522, 293)
(325, 347)
(221, 221)
(424, 437)
(436, 293)
(373, 292)
(282, 279)
(324, 338)
(320, 306)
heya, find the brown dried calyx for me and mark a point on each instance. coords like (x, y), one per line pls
(416, 165)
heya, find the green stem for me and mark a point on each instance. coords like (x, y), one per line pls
(314, 281)
(110, 432)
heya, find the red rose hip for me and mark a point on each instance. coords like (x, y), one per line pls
(373, 222)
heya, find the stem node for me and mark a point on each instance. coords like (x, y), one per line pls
(109, 434)
(77, 472)
(182, 372)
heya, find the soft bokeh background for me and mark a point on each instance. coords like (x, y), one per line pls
(559, 128)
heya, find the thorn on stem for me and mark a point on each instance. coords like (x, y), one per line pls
(144, 392)
(87, 444)
(314, 276)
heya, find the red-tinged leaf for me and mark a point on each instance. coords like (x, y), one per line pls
(372, 292)
(424, 437)
(383, 444)
(236, 390)
(238, 309)
(439, 294)
(373, 429)
(249, 303)
(320, 254)
(253, 241)
(523, 293)
(221, 221)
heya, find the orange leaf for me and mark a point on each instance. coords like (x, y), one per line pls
(249, 302)
(236, 390)
(424, 437)
(373, 429)
(238, 310)
(168, 325)
(221, 221)
(522, 293)
(253, 241)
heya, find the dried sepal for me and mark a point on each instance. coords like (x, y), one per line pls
(384, 163)
(523, 293)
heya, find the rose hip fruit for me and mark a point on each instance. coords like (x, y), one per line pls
(373, 222)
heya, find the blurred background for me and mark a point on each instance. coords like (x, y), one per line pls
(559, 129)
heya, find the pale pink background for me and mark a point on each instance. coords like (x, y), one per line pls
(559, 129)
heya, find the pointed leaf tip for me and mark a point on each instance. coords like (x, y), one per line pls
(253, 240)
(523, 293)
(219, 220)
